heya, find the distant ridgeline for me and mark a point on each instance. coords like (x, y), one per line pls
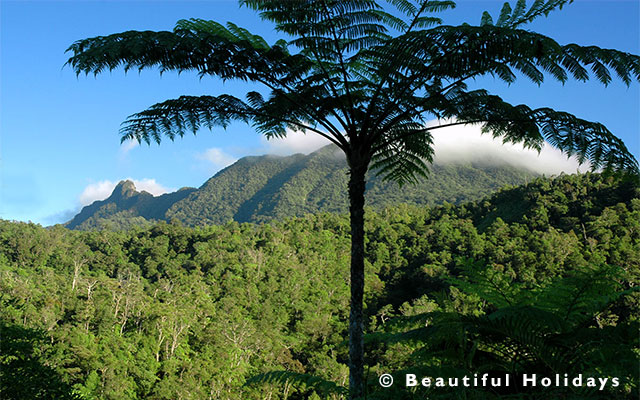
(260, 189)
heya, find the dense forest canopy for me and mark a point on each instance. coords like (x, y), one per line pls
(171, 312)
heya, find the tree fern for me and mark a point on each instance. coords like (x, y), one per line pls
(367, 77)
(548, 330)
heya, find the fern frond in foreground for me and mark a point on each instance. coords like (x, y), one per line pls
(564, 330)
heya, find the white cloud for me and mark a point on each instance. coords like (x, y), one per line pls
(466, 143)
(217, 158)
(128, 145)
(294, 142)
(96, 191)
(461, 143)
(103, 189)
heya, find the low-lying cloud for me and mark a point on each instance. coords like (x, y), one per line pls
(294, 142)
(216, 158)
(466, 143)
(454, 144)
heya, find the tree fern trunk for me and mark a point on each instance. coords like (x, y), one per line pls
(356, 346)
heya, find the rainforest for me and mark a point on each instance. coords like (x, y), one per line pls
(539, 279)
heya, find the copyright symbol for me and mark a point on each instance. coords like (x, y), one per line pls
(386, 380)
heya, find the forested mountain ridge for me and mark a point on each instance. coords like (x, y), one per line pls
(126, 207)
(166, 311)
(263, 188)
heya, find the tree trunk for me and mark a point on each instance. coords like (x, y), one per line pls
(356, 345)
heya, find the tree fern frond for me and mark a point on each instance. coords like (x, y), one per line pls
(518, 11)
(406, 155)
(433, 6)
(505, 14)
(486, 19)
(195, 45)
(519, 15)
(173, 118)
(406, 7)
(590, 141)
(391, 20)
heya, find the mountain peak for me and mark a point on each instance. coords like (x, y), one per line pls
(123, 190)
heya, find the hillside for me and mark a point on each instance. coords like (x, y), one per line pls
(260, 189)
(125, 207)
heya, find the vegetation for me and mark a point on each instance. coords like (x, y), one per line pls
(170, 312)
(259, 189)
(367, 78)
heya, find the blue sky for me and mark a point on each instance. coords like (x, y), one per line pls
(59, 138)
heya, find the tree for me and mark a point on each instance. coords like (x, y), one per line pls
(24, 371)
(367, 78)
(558, 327)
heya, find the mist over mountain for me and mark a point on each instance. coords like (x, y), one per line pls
(452, 145)
(263, 188)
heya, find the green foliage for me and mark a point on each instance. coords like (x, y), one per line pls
(305, 381)
(25, 372)
(166, 311)
(520, 15)
(559, 328)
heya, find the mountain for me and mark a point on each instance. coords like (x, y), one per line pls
(125, 207)
(262, 188)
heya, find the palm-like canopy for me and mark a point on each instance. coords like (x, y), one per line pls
(367, 78)
(362, 75)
